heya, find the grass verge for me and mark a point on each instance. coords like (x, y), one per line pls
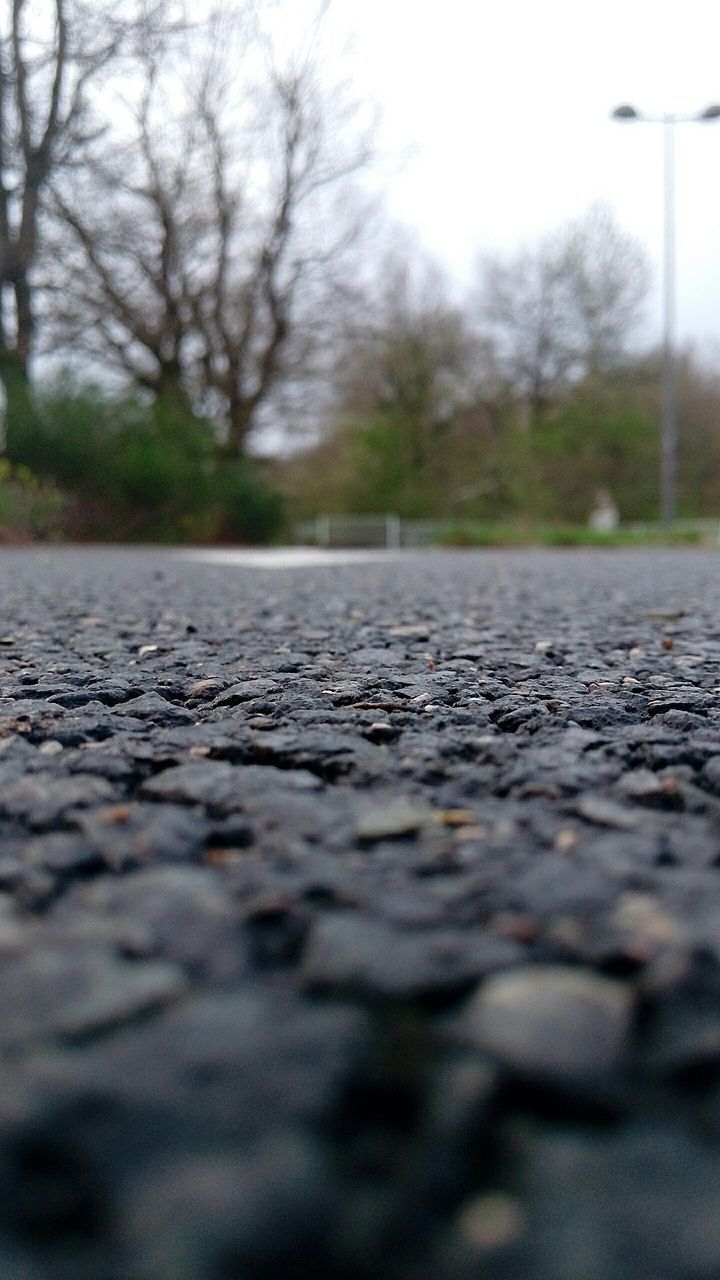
(568, 535)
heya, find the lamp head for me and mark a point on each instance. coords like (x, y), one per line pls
(711, 113)
(625, 112)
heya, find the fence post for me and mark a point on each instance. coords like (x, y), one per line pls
(392, 533)
(322, 531)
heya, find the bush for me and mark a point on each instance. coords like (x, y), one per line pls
(29, 508)
(586, 447)
(247, 509)
(143, 471)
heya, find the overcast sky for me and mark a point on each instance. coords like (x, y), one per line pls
(505, 104)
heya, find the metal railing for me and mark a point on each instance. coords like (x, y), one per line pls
(352, 531)
(393, 533)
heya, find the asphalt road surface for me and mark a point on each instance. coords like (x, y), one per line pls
(360, 921)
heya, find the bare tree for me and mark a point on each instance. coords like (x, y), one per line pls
(409, 350)
(414, 385)
(566, 308)
(52, 55)
(608, 279)
(523, 303)
(202, 243)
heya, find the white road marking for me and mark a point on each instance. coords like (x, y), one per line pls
(285, 557)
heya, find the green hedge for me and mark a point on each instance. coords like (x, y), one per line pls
(133, 469)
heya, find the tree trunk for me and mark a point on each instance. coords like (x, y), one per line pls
(240, 417)
(20, 414)
(171, 406)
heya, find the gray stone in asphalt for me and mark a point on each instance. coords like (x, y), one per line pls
(551, 1022)
(42, 800)
(77, 992)
(135, 834)
(153, 707)
(175, 913)
(351, 953)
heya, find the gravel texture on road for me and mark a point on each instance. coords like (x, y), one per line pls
(360, 922)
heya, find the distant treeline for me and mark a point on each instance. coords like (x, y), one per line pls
(525, 401)
(194, 250)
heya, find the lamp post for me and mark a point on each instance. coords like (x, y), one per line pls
(669, 431)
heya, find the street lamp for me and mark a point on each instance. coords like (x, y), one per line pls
(668, 463)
